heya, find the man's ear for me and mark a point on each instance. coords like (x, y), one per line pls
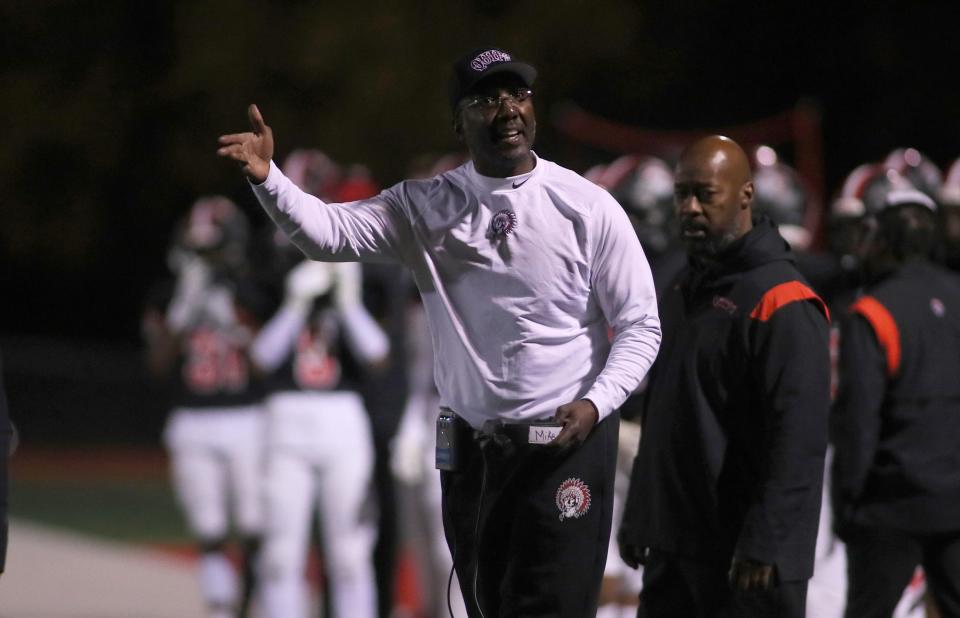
(746, 194)
(458, 127)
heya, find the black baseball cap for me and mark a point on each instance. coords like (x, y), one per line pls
(482, 63)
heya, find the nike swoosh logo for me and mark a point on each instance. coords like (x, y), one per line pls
(517, 185)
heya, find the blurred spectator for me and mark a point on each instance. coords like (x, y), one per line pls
(917, 168)
(826, 594)
(950, 215)
(781, 194)
(319, 449)
(643, 185)
(357, 184)
(622, 584)
(950, 190)
(897, 420)
(384, 394)
(6, 451)
(197, 331)
(843, 225)
(384, 291)
(861, 196)
(315, 171)
(383, 391)
(862, 192)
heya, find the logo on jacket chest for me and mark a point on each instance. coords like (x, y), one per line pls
(724, 304)
(937, 307)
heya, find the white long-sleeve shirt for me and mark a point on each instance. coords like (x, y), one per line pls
(518, 320)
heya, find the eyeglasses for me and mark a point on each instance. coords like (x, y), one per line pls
(489, 102)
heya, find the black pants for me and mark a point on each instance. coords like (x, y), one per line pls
(880, 564)
(678, 587)
(528, 526)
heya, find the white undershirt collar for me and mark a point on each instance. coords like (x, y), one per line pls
(510, 183)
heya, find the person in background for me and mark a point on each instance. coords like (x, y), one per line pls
(319, 451)
(863, 191)
(843, 229)
(643, 185)
(318, 444)
(6, 451)
(949, 199)
(725, 492)
(782, 195)
(197, 333)
(384, 391)
(896, 421)
(917, 168)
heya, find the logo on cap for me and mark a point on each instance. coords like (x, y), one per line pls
(485, 59)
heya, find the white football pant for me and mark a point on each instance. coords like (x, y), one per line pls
(216, 457)
(319, 454)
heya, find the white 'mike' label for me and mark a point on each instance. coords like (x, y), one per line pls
(542, 434)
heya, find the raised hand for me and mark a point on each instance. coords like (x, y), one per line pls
(253, 150)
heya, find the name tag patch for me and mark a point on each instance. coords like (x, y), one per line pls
(543, 434)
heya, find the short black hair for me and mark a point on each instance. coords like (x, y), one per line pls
(910, 230)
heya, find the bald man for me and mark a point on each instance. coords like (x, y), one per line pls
(725, 493)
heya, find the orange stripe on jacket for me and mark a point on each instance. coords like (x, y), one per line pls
(885, 328)
(784, 294)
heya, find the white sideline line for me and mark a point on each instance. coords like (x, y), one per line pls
(51, 573)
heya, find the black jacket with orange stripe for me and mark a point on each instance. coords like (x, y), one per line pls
(735, 421)
(896, 421)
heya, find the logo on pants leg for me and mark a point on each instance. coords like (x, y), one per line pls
(573, 499)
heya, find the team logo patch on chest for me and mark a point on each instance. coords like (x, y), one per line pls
(573, 499)
(937, 307)
(724, 304)
(503, 223)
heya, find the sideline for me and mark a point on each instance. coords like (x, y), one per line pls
(56, 574)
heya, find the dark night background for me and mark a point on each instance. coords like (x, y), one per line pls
(113, 108)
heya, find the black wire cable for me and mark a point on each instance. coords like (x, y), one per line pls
(453, 565)
(476, 531)
(476, 535)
